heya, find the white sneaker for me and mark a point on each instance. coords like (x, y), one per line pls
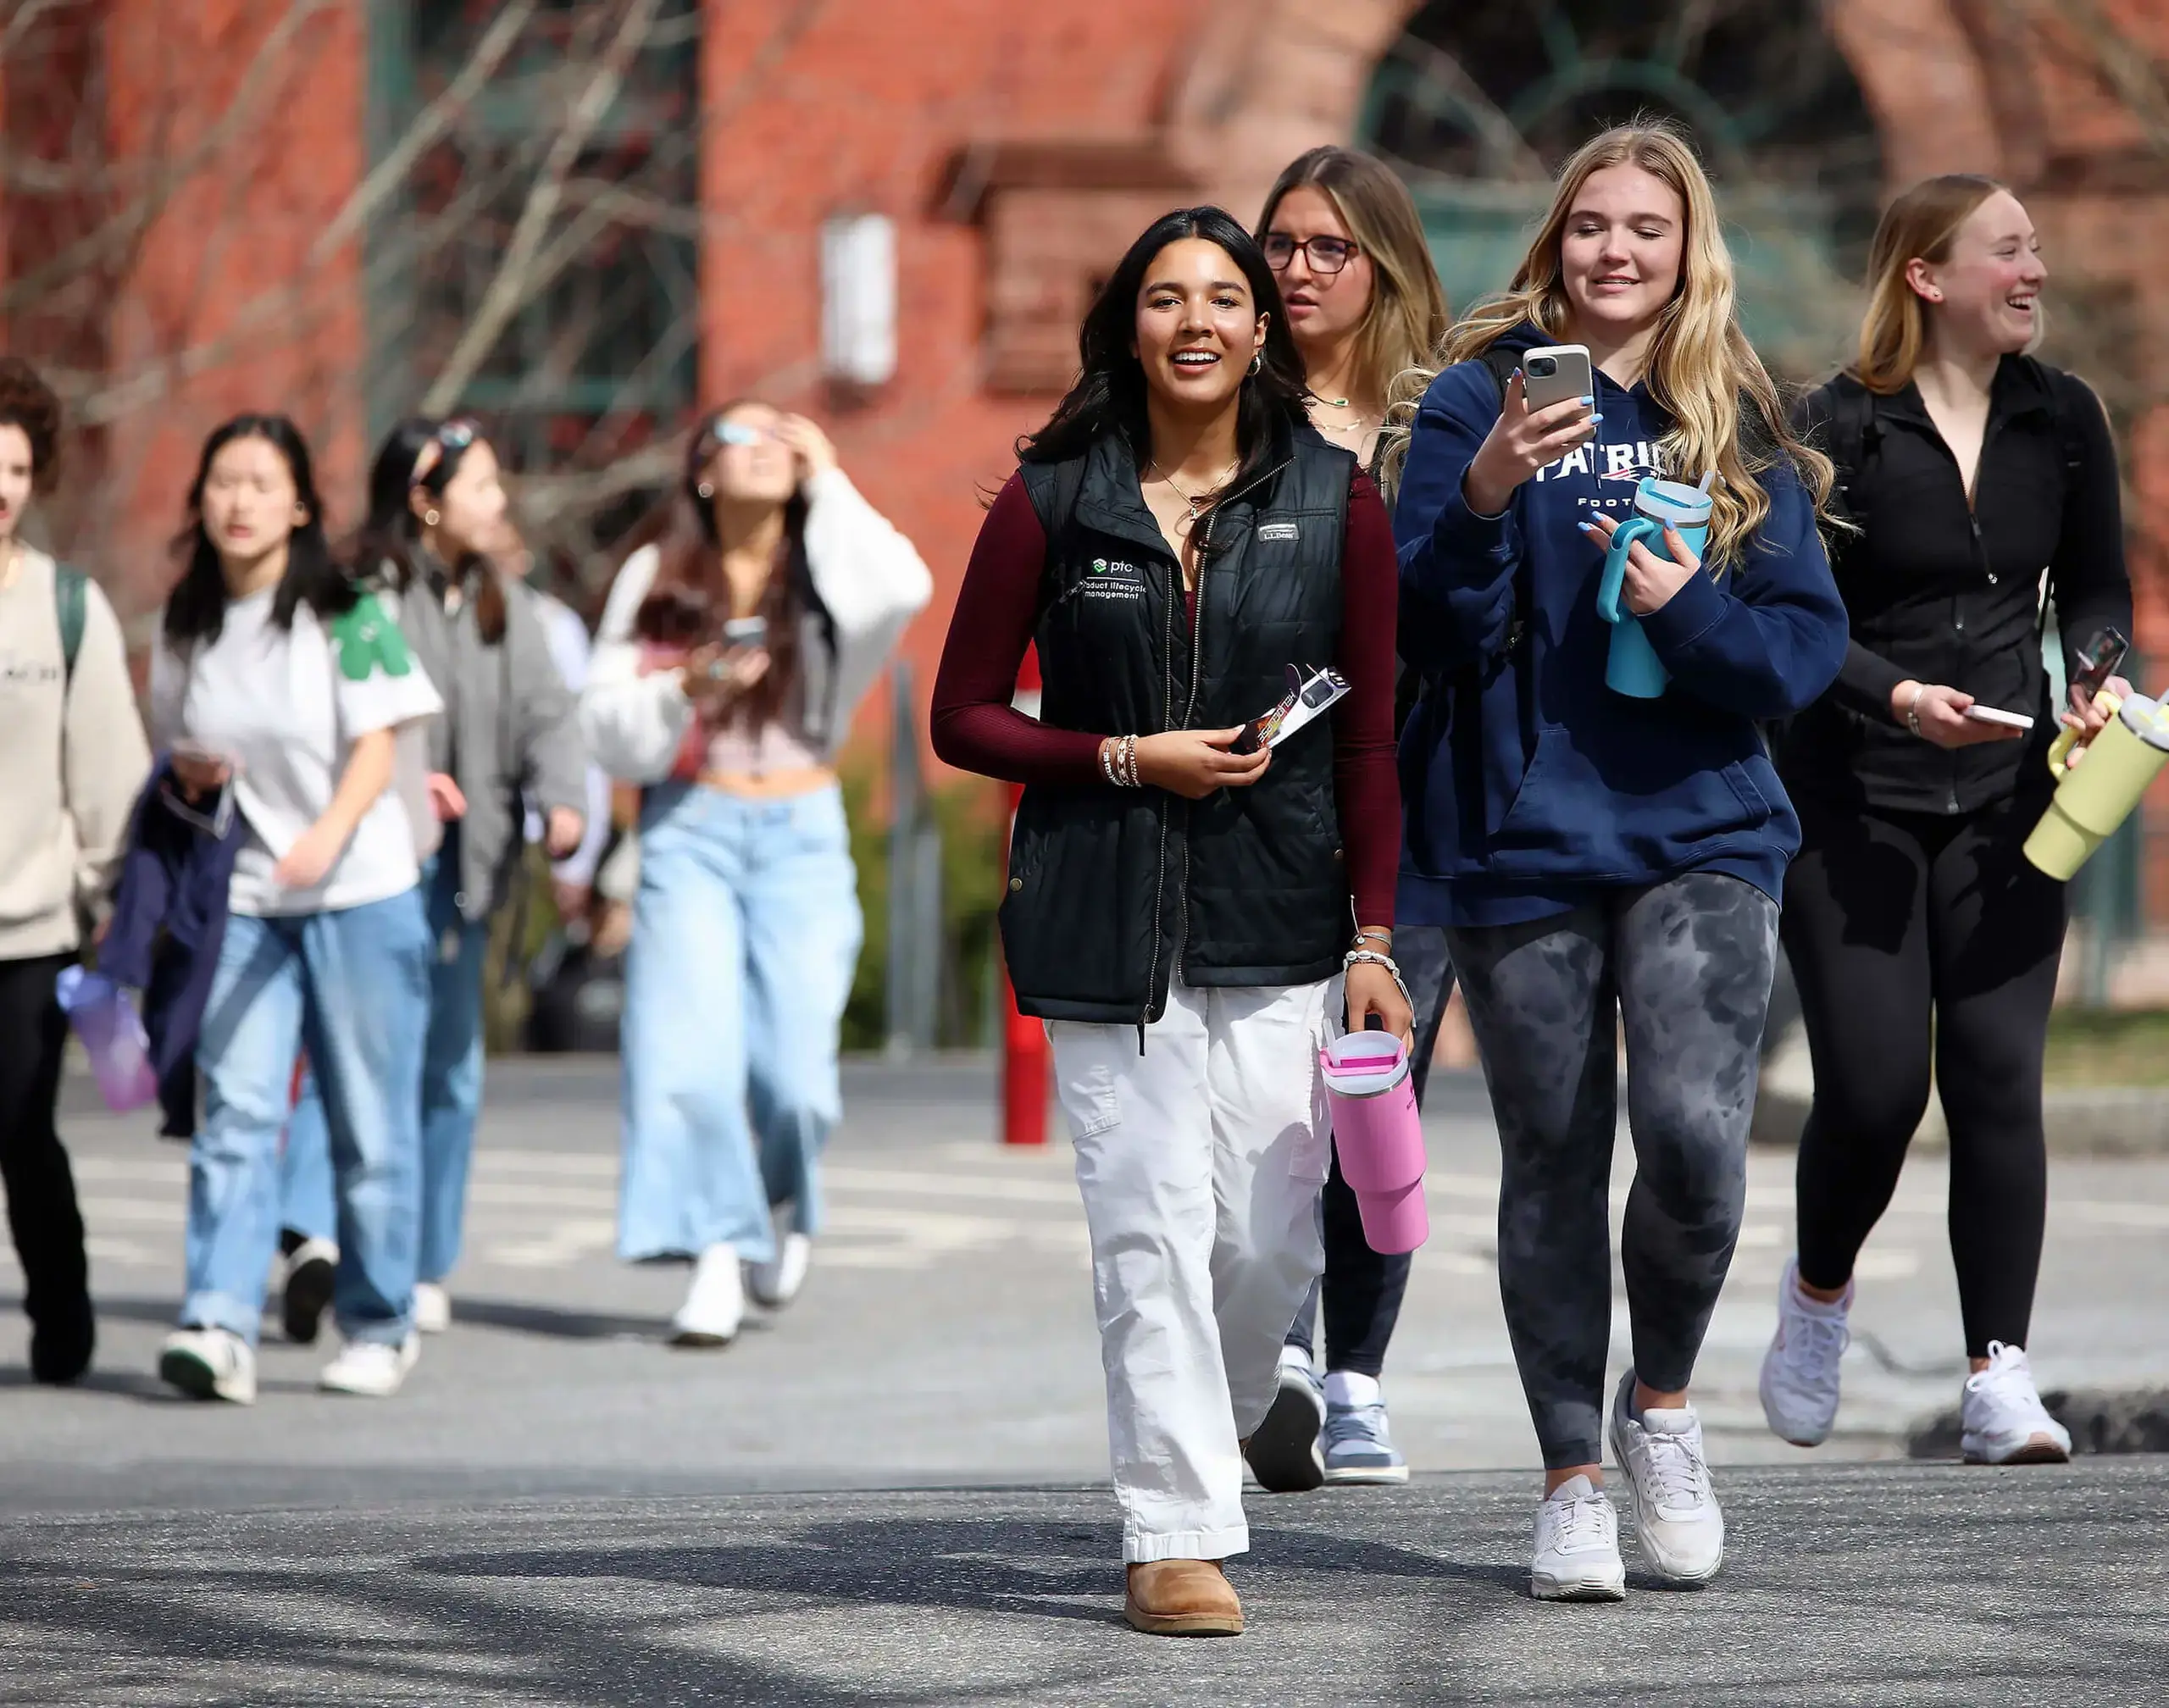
(1577, 1546)
(774, 1283)
(432, 1307)
(2004, 1420)
(715, 1304)
(1800, 1372)
(1676, 1518)
(210, 1364)
(373, 1369)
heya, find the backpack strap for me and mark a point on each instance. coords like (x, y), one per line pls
(1500, 364)
(71, 601)
(1854, 432)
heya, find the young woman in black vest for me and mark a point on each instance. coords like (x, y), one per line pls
(1913, 923)
(1183, 915)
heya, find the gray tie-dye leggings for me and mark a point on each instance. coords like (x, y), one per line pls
(1689, 964)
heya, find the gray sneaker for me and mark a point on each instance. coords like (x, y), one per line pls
(1284, 1451)
(1358, 1448)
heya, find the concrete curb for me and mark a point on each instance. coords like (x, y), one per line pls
(2079, 1120)
(2136, 1420)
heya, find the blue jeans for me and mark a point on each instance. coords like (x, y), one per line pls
(745, 935)
(350, 986)
(452, 1086)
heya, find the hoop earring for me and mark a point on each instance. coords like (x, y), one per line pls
(429, 518)
(1257, 365)
(706, 489)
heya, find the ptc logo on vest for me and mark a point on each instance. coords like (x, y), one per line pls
(1112, 579)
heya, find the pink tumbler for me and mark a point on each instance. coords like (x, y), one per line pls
(113, 1036)
(1379, 1138)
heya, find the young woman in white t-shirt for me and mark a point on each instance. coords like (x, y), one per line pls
(276, 677)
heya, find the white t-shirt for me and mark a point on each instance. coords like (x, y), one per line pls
(286, 707)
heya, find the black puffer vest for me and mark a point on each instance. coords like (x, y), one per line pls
(1111, 891)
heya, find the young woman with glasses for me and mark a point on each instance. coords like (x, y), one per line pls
(436, 530)
(1364, 306)
(758, 605)
(1179, 912)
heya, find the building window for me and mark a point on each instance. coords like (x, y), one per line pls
(1477, 105)
(539, 263)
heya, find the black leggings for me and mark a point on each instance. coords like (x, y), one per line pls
(1363, 1289)
(1893, 921)
(42, 1209)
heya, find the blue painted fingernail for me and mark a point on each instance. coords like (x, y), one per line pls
(1588, 401)
(1596, 418)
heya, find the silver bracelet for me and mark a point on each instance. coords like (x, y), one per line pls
(1913, 709)
(1371, 957)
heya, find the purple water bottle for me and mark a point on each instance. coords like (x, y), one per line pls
(112, 1034)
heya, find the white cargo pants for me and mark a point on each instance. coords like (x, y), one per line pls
(1199, 1162)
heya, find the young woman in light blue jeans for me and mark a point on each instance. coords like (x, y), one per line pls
(278, 681)
(739, 636)
(436, 531)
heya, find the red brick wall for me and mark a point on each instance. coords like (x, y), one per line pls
(226, 306)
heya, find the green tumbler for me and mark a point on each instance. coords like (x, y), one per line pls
(2094, 797)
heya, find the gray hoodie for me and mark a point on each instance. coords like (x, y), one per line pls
(509, 725)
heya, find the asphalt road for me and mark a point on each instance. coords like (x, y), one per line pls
(889, 1494)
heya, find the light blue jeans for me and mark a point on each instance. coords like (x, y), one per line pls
(745, 935)
(452, 1086)
(351, 986)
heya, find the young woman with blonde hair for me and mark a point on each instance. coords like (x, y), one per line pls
(1364, 307)
(1916, 930)
(1593, 853)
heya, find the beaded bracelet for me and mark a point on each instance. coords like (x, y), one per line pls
(1371, 957)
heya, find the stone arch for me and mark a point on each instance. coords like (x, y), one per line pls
(1264, 81)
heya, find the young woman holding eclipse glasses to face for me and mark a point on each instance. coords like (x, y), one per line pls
(757, 607)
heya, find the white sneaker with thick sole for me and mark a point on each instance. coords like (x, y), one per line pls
(209, 1364)
(372, 1369)
(1677, 1517)
(432, 1307)
(1577, 1556)
(715, 1304)
(2002, 1416)
(774, 1283)
(1800, 1372)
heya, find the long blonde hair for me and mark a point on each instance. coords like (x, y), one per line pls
(1407, 316)
(1919, 226)
(1702, 371)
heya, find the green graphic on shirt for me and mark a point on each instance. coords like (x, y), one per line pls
(367, 640)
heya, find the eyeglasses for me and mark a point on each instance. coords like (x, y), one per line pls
(433, 461)
(1326, 255)
(456, 434)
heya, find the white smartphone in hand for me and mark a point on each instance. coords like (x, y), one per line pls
(1989, 714)
(1557, 374)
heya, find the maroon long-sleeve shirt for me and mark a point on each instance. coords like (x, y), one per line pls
(975, 727)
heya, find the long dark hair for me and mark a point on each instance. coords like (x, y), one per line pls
(1109, 395)
(689, 601)
(390, 541)
(196, 610)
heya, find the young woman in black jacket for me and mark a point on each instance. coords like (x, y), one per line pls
(1912, 923)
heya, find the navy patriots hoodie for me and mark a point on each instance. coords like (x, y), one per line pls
(1527, 783)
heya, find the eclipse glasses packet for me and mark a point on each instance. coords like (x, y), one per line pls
(1310, 693)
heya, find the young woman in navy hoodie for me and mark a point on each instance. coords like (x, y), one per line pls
(1591, 852)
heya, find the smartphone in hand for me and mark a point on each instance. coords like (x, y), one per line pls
(1989, 714)
(1557, 374)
